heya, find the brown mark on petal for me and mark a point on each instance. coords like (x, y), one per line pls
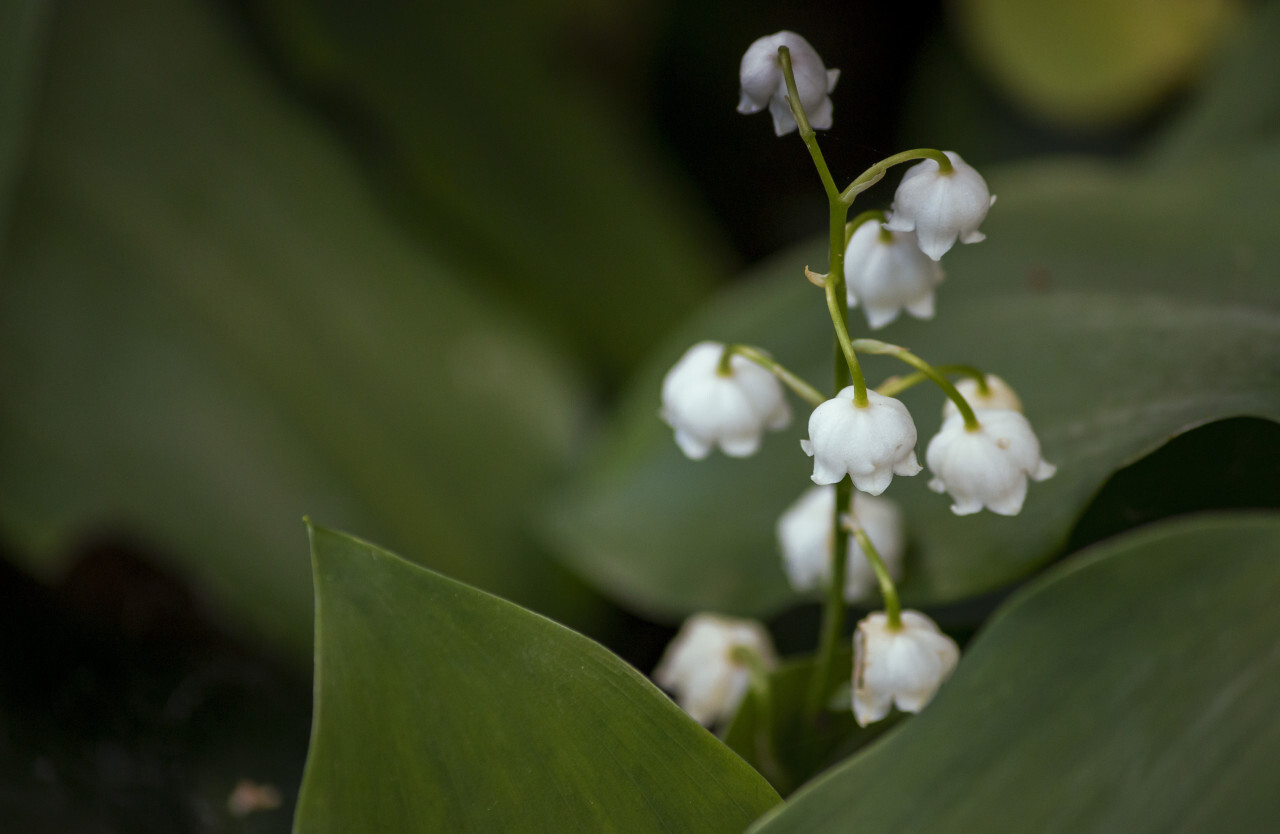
(1004, 443)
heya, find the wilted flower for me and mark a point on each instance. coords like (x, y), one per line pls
(699, 669)
(763, 83)
(886, 272)
(807, 538)
(902, 667)
(939, 207)
(708, 408)
(871, 444)
(987, 467)
(999, 395)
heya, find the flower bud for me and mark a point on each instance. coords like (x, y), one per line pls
(870, 444)
(699, 669)
(900, 667)
(887, 272)
(939, 207)
(807, 539)
(988, 467)
(732, 411)
(763, 84)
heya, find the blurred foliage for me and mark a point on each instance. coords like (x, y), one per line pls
(208, 327)
(22, 29)
(508, 163)
(1092, 63)
(1132, 689)
(440, 708)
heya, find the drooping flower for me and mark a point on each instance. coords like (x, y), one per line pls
(699, 669)
(999, 395)
(900, 667)
(988, 467)
(763, 84)
(940, 207)
(707, 408)
(871, 444)
(806, 536)
(886, 272)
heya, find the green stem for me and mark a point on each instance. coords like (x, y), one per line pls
(876, 347)
(802, 389)
(837, 305)
(894, 386)
(806, 131)
(887, 589)
(762, 691)
(872, 175)
(833, 610)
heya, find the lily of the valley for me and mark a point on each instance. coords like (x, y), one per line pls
(708, 408)
(763, 84)
(871, 443)
(699, 670)
(807, 538)
(900, 667)
(887, 272)
(988, 467)
(941, 206)
(999, 395)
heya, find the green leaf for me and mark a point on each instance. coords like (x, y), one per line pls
(1125, 307)
(23, 25)
(441, 708)
(794, 748)
(502, 153)
(1232, 110)
(208, 327)
(1133, 689)
(1092, 62)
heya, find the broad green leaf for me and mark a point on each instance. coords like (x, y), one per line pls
(1092, 62)
(788, 747)
(441, 708)
(1133, 690)
(501, 152)
(209, 327)
(1125, 307)
(23, 24)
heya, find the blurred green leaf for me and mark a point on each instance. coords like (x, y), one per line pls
(209, 327)
(500, 151)
(1092, 62)
(1239, 103)
(1133, 689)
(1125, 307)
(799, 748)
(440, 708)
(22, 35)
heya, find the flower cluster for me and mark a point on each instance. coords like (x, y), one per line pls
(984, 454)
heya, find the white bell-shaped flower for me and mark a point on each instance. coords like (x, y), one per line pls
(900, 667)
(886, 272)
(763, 84)
(941, 207)
(988, 467)
(807, 538)
(999, 395)
(698, 667)
(707, 408)
(870, 444)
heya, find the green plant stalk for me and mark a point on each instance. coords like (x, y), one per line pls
(801, 388)
(894, 386)
(876, 172)
(833, 611)
(874, 346)
(888, 590)
(761, 689)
